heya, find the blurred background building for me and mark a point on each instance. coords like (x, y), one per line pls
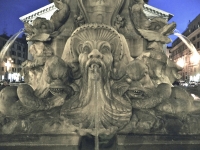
(180, 52)
(10, 67)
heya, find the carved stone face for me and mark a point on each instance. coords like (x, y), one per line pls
(95, 59)
(138, 80)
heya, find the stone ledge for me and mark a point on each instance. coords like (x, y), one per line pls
(123, 142)
(39, 141)
(157, 139)
(158, 142)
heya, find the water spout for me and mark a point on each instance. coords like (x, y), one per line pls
(96, 118)
(195, 55)
(9, 43)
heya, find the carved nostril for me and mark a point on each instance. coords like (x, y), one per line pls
(95, 54)
(99, 56)
(90, 56)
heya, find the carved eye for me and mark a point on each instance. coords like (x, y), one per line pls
(157, 27)
(104, 49)
(128, 80)
(86, 49)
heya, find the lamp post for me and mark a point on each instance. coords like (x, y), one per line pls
(8, 65)
(181, 62)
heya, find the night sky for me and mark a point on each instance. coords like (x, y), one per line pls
(183, 11)
(11, 10)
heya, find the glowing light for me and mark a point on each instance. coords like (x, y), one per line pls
(8, 63)
(195, 55)
(194, 59)
(180, 62)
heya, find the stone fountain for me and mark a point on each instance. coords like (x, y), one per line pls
(109, 87)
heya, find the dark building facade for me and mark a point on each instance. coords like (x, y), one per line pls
(10, 66)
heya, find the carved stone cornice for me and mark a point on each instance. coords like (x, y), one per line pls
(152, 12)
(45, 12)
(49, 9)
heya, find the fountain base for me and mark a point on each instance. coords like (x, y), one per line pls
(119, 142)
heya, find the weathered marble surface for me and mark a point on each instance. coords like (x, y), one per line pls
(111, 76)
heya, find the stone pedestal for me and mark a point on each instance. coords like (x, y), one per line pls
(39, 142)
(158, 142)
(119, 142)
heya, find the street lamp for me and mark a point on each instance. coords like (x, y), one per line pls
(194, 58)
(181, 62)
(8, 65)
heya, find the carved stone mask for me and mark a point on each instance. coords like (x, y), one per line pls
(96, 42)
(96, 58)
